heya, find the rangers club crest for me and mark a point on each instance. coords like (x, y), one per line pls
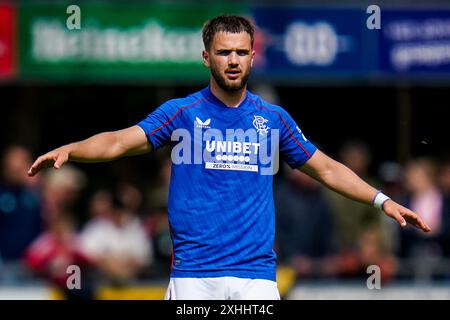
(260, 124)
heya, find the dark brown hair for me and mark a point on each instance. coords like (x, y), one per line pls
(226, 23)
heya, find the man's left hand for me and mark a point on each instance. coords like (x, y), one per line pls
(404, 215)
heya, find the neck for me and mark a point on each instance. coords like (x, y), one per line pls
(230, 99)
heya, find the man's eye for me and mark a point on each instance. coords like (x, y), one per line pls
(223, 53)
(242, 53)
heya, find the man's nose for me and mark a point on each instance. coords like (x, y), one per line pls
(233, 58)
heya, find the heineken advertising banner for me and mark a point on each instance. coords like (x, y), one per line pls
(7, 31)
(98, 41)
(109, 40)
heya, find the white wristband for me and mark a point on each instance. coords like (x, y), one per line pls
(379, 199)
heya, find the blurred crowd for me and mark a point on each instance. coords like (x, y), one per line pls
(321, 234)
(125, 237)
(122, 241)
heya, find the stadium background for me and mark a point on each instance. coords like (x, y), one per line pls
(386, 89)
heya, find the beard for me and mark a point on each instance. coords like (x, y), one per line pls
(226, 86)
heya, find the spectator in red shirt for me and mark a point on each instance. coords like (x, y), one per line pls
(50, 255)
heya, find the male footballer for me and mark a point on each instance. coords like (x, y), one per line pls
(225, 145)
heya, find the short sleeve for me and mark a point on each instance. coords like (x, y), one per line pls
(158, 125)
(294, 147)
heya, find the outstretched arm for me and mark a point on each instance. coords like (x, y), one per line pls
(105, 146)
(341, 179)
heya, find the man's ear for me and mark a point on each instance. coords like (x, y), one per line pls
(205, 56)
(253, 57)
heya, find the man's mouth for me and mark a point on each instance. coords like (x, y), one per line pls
(233, 74)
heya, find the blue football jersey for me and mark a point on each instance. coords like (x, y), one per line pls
(221, 210)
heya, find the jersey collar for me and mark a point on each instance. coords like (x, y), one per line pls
(210, 97)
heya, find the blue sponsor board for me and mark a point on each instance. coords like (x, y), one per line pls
(415, 42)
(295, 42)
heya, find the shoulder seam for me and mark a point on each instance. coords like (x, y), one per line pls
(174, 116)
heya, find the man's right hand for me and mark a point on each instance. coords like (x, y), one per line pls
(55, 158)
(105, 146)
